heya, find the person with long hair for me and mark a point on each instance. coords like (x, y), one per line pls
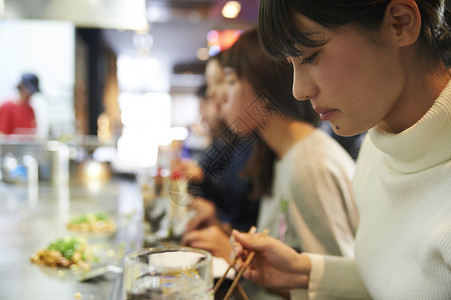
(382, 66)
(223, 196)
(302, 175)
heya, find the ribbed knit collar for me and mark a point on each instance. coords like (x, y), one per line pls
(422, 146)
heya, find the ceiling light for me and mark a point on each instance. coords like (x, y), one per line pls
(231, 9)
(212, 36)
(215, 49)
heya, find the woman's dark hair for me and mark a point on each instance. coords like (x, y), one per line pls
(280, 29)
(201, 92)
(219, 57)
(273, 80)
(267, 76)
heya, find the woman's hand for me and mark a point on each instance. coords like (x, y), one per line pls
(205, 215)
(212, 239)
(190, 169)
(275, 266)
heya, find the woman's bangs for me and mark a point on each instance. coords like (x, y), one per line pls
(280, 30)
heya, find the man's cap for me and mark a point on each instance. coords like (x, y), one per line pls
(30, 81)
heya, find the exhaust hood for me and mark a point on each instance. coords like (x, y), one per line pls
(114, 14)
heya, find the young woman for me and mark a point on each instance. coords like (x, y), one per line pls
(223, 196)
(378, 65)
(302, 175)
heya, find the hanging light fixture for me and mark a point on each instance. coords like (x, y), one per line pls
(231, 9)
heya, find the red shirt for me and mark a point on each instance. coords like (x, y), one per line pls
(17, 118)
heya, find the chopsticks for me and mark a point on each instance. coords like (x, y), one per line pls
(252, 230)
(242, 292)
(237, 278)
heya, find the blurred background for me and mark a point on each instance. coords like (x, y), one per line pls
(117, 77)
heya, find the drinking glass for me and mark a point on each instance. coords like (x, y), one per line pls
(168, 273)
(154, 190)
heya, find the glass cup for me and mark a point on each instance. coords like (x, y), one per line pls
(168, 273)
(156, 206)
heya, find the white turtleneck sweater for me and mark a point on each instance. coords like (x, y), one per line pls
(403, 191)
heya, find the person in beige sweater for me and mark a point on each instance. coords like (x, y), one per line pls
(380, 66)
(302, 174)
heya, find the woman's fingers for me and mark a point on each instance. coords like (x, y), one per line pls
(211, 239)
(194, 223)
(190, 237)
(251, 241)
(197, 239)
(205, 245)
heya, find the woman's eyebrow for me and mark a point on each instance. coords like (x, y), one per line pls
(227, 70)
(317, 42)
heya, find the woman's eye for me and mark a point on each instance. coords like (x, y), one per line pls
(230, 80)
(309, 60)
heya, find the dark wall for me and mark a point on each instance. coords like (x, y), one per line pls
(96, 73)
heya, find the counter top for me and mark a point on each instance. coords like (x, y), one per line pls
(33, 216)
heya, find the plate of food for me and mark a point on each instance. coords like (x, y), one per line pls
(66, 252)
(92, 223)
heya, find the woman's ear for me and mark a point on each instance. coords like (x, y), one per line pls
(404, 21)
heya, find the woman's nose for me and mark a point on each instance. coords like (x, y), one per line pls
(303, 86)
(210, 93)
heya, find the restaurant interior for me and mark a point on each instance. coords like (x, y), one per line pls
(117, 95)
(117, 103)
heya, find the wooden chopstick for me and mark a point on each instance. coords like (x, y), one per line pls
(242, 292)
(221, 280)
(252, 230)
(240, 273)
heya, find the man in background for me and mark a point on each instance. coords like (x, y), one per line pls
(17, 116)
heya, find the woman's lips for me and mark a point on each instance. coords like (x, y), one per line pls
(326, 113)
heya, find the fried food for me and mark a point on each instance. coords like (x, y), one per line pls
(95, 223)
(65, 252)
